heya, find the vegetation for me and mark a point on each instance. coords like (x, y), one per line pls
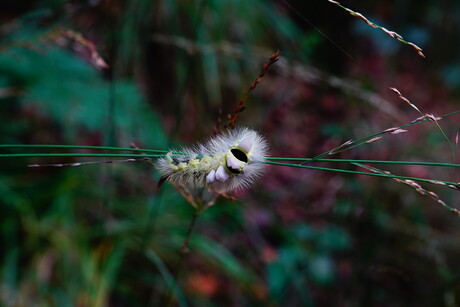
(359, 202)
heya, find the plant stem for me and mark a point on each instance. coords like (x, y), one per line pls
(88, 155)
(183, 251)
(454, 185)
(364, 161)
(77, 155)
(78, 147)
(364, 140)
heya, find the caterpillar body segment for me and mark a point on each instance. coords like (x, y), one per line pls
(227, 162)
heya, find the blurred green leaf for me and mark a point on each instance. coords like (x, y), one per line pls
(221, 257)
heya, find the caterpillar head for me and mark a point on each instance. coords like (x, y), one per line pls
(236, 159)
(233, 164)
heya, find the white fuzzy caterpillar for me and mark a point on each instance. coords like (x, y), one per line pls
(227, 162)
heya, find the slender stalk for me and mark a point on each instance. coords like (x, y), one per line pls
(454, 185)
(415, 186)
(77, 155)
(184, 250)
(87, 155)
(363, 140)
(270, 161)
(374, 25)
(79, 147)
(364, 161)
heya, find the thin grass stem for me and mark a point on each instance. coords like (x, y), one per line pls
(79, 147)
(454, 185)
(364, 140)
(184, 250)
(305, 160)
(78, 155)
(364, 161)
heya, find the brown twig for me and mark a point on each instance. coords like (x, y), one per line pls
(232, 118)
(430, 117)
(62, 36)
(96, 59)
(216, 127)
(417, 187)
(167, 299)
(292, 69)
(376, 26)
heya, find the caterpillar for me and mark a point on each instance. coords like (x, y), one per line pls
(227, 162)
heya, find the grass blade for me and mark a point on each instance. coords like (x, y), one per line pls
(306, 160)
(452, 185)
(80, 147)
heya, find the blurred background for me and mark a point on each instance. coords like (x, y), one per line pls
(157, 73)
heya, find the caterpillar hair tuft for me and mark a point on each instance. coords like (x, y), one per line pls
(227, 162)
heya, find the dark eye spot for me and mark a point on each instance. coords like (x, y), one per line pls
(239, 154)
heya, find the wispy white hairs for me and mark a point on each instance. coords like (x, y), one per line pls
(227, 162)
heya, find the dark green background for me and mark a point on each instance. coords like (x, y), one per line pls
(101, 235)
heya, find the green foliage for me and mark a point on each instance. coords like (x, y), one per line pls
(103, 235)
(74, 95)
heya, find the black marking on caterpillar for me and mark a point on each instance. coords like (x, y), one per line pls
(230, 161)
